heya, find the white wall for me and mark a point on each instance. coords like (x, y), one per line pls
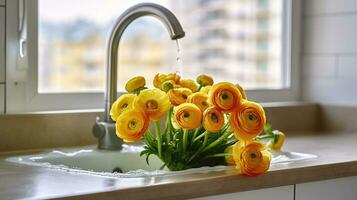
(329, 51)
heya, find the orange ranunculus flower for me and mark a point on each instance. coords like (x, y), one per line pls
(199, 99)
(178, 96)
(124, 102)
(153, 102)
(242, 92)
(213, 119)
(204, 80)
(248, 120)
(229, 156)
(190, 84)
(135, 83)
(131, 125)
(225, 96)
(187, 116)
(252, 158)
(206, 89)
(278, 141)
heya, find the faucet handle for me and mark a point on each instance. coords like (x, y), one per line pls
(98, 130)
(107, 138)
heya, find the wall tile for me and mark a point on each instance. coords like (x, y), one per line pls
(329, 35)
(336, 91)
(329, 6)
(319, 66)
(347, 67)
(2, 2)
(2, 98)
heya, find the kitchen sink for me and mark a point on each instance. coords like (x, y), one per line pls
(124, 163)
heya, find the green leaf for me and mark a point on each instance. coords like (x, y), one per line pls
(268, 130)
(163, 166)
(144, 152)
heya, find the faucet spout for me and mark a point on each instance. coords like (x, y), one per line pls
(105, 130)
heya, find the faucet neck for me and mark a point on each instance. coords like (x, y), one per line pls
(145, 9)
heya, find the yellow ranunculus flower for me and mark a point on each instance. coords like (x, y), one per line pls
(167, 85)
(278, 143)
(248, 120)
(178, 96)
(206, 89)
(213, 119)
(190, 84)
(242, 92)
(135, 83)
(204, 80)
(251, 158)
(199, 99)
(187, 116)
(153, 102)
(158, 80)
(225, 96)
(173, 76)
(229, 156)
(124, 102)
(131, 125)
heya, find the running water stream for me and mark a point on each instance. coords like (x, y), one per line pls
(178, 58)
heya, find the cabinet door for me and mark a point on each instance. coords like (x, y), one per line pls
(334, 189)
(276, 193)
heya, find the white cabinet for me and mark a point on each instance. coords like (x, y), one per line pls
(276, 193)
(2, 44)
(334, 189)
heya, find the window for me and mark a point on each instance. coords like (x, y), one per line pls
(247, 42)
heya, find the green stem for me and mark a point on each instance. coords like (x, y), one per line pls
(199, 88)
(202, 146)
(158, 137)
(199, 137)
(185, 138)
(168, 126)
(219, 140)
(262, 137)
(216, 155)
(196, 132)
(149, 132)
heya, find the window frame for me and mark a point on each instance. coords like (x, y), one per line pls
(22, 73)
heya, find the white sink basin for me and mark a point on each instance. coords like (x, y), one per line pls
(125, 163)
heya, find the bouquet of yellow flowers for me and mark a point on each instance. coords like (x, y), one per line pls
(206, 124)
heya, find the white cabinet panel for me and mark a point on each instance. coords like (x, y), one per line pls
(335, 189)
(2, 98)
(2, 44)
(276, 193)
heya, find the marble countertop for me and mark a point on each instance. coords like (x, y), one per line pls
(336, 158)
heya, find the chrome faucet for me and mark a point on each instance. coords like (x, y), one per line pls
(105, 130)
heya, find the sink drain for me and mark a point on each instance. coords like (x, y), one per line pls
(117, 170)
